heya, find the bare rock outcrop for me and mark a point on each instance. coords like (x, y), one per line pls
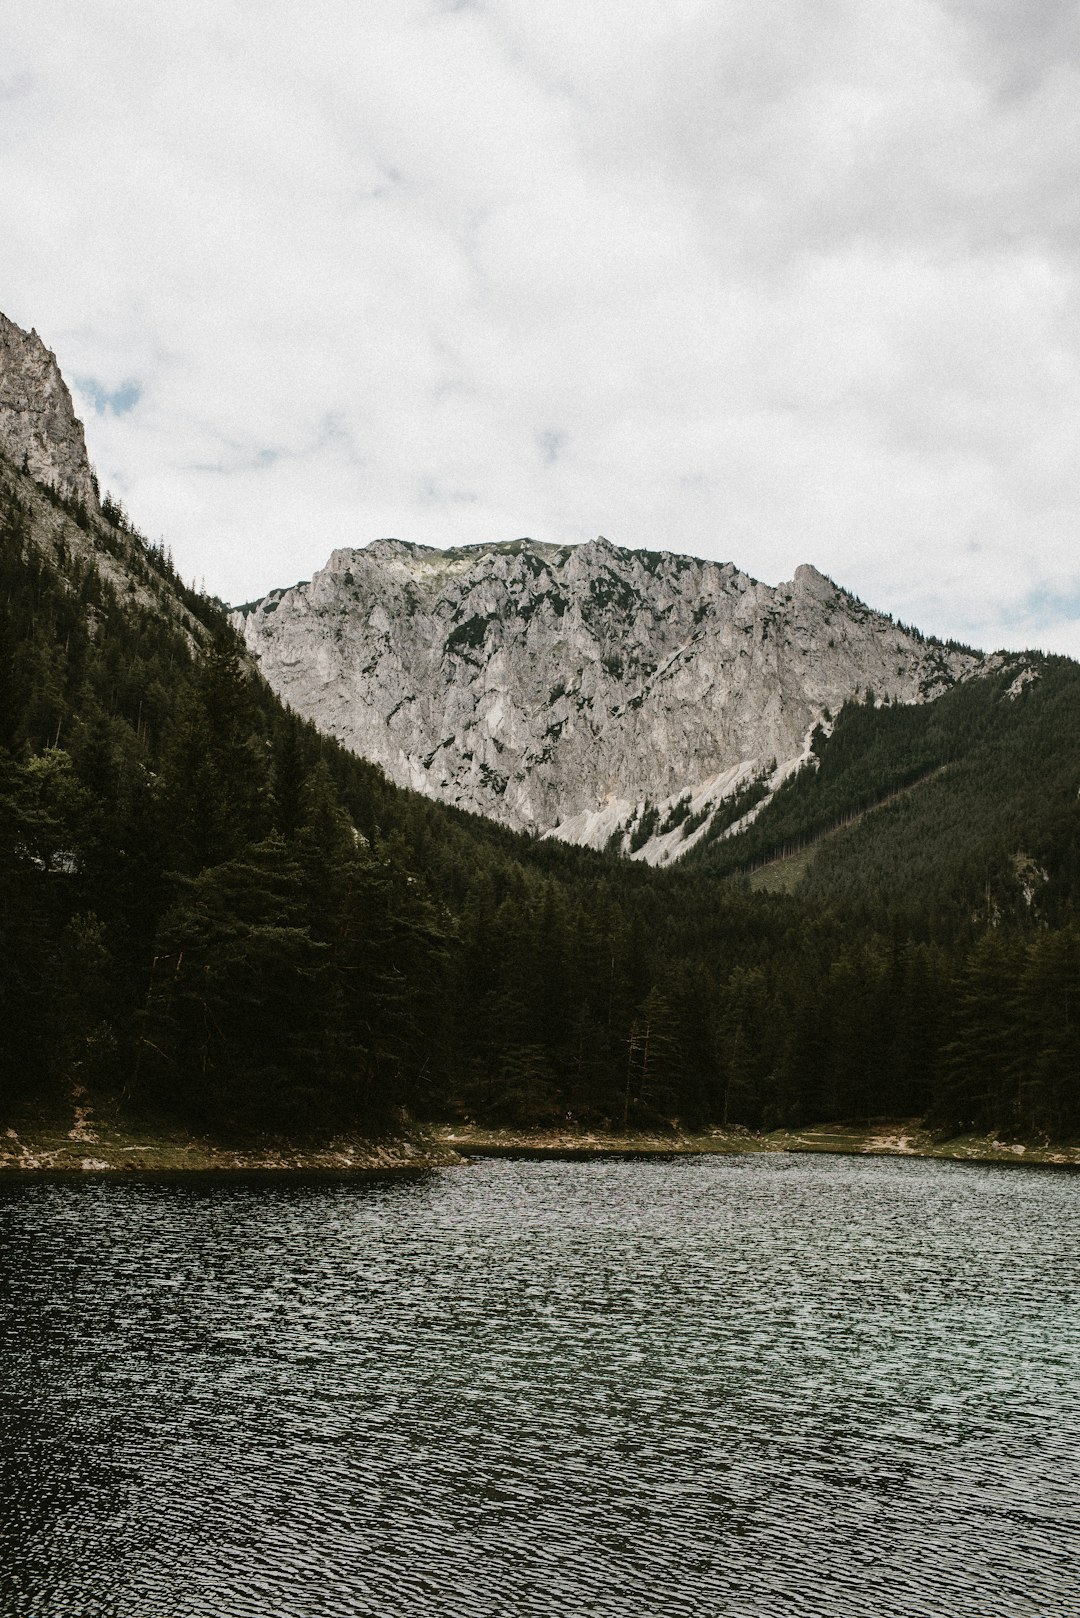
(39, 430)
(561, 689)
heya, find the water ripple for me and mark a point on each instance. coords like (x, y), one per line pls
(754, 1386)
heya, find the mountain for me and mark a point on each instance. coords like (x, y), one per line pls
(613, 698)
(39, 430)
(217, 917)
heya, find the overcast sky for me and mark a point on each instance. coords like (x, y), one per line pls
(766, 280)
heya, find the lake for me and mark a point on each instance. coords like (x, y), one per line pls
(760, 1385)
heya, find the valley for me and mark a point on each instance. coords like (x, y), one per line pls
(224, 921)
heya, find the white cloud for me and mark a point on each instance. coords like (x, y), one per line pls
(761, 280)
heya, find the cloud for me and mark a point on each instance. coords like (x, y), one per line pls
(118, 401)
(762, 281)
(552, 443)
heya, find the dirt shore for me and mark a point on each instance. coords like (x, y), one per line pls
(906, 1138)
(88, 1148)
(81, 1144)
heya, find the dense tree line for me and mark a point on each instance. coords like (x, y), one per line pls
(214, 915)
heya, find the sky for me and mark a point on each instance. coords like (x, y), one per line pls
(770, 281)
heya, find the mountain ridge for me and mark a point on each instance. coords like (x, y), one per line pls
(574, 690)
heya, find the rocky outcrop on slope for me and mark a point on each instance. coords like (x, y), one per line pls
(39, 430)
(576, 690)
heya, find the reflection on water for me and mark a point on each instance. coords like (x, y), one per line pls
(758, 1385)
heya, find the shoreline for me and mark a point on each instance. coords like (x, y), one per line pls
(85, 1147)
(907, 1138)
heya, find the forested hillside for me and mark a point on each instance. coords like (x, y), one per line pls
(214, 915)
(975, 798)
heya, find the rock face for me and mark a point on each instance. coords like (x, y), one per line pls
(39, 430)
(581, 691)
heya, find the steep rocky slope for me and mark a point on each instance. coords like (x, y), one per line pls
(47, 480)
(603, 695)
(39, 431)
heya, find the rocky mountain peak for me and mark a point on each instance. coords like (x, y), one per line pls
(812, 583)
(594, 693)
(39, 429)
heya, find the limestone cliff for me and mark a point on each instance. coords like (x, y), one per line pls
(39, 430)
(581, 691)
